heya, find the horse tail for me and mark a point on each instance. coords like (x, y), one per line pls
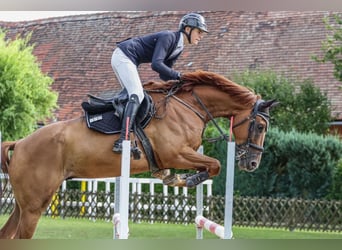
(5, 159)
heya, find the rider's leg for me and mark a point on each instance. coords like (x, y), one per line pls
(128, 76)
(127, 122)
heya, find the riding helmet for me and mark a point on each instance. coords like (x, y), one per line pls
(193, 20)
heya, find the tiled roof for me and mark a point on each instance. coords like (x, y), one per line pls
(76, 50)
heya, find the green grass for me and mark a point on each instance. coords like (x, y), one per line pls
(69, 228)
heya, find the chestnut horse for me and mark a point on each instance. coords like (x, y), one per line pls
(69, 149)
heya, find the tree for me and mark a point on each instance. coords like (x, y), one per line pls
(303, 107)
(332, 46)
(25, 94)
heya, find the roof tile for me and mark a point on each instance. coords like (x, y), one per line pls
(76, 50)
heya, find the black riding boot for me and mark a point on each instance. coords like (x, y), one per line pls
(130, 113)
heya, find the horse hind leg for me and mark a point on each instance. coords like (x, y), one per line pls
(20, 225)
(30, 215)
(32, 202)
(9, 230)
(31, 209)
(27, 224)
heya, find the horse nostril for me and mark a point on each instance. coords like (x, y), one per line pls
(253, 165)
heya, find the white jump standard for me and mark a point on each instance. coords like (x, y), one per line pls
(202, 222)
(120, 218)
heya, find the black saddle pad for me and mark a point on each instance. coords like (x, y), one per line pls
(105, 115)
(107, 122)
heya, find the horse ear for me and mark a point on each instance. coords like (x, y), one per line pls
(269, 104)
(273, 103)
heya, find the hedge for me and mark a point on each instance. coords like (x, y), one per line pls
(293, 165)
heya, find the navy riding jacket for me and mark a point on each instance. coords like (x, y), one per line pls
(156, 49)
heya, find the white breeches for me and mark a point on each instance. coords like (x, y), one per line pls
(127, 73)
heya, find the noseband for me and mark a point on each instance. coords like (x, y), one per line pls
(243, 149)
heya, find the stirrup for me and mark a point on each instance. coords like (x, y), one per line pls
(117, 147)
(136, 152)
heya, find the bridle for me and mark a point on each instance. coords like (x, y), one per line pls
(243, 149)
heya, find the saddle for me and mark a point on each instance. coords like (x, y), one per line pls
(105, 116)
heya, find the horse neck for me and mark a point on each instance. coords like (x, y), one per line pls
(219, 103)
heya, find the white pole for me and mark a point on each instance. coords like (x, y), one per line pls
(124, 189)
(228, 214)
(116, 207)
(199, 203)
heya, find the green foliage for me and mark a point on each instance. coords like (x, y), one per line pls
(336, 189)
(25, 96)
(293, 165)
(302, 105)
(218, 150)
(313, 110)
(332, 46)
(211, 132)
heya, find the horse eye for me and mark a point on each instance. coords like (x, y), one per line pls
(260, 128)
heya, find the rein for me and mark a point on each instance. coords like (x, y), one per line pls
(190, 107)
(223, 136)
(243, 149)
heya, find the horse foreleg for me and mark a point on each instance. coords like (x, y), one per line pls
(9, 230)
(176, 180)
(161, 173)
(186, 180)
(189, 159)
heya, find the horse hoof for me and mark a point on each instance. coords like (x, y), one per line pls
(170, 180)
(162, 173)
(175, 180)
(196, 179)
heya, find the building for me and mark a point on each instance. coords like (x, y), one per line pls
(76, 50)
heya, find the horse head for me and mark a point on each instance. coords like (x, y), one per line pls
(250, 132)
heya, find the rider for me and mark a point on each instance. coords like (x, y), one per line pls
(161, 49)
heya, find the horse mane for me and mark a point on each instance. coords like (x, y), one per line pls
(191, 79)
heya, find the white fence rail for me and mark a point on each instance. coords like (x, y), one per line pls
(136, 186)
